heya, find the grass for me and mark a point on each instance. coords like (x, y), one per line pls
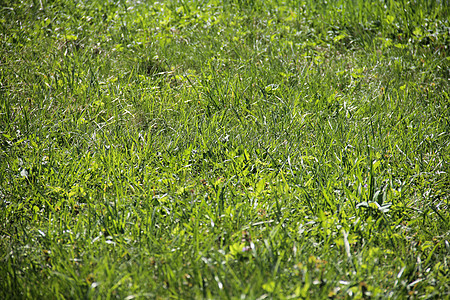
(224, 149)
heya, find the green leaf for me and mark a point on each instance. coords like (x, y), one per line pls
(269, 286)
(260, 186)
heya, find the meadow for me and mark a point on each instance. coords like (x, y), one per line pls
(224, 149)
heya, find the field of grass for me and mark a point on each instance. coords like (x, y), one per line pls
(224, 149)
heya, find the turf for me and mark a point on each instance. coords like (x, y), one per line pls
(224, 149)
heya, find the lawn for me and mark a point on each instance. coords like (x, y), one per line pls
(224, 149)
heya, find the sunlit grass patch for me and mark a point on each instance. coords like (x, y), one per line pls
(224, 149)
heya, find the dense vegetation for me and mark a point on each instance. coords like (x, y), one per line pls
(224, 149)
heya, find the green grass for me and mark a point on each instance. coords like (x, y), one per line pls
(224, 149)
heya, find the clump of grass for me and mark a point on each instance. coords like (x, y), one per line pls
(224, 149)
